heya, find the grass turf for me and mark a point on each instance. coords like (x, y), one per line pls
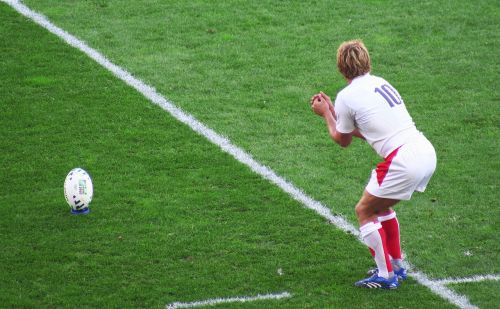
(480, 293)
(250, 78)
(173, 218)
(248, 69)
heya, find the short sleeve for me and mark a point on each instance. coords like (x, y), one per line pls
(345, 119)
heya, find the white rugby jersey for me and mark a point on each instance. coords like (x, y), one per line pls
(373, 106)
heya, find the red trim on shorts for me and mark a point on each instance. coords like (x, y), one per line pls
(383, 167)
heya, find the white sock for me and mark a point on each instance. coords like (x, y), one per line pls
(374, 237)
(397, 264)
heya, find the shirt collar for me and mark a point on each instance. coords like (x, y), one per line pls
(360, 77)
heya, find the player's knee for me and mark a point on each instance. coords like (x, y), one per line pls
(361, 210)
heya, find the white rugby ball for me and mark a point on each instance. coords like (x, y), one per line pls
(78, 190)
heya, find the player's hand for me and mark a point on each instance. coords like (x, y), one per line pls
(314, 97)
(325, 97)
(330, 105)
(319, 105)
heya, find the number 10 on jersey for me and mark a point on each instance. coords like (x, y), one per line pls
(390, 95)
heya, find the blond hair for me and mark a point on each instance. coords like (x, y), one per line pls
(353, 59)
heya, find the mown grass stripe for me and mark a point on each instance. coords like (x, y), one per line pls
(225, 144)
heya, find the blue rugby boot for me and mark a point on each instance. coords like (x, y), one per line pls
(400, 273)
(376, 282)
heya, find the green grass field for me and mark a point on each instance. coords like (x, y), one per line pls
(176, 219)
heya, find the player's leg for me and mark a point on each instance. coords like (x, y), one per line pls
(409, 170)
(368, 210)
(373, 235)
(390, 225)
(370, 207)
(390, 182)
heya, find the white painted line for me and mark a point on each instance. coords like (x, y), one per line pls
(239, 299)
(225, 144)
(477, 278)
(442, 290)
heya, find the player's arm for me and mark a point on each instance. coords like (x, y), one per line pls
(355, 132)
(323, 107)
(343, 139)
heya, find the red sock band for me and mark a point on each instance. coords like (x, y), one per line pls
(391, 229)
(386, 254)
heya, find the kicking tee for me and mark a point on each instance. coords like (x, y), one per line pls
(372, 105)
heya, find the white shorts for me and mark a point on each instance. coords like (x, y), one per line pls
(404, 171)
